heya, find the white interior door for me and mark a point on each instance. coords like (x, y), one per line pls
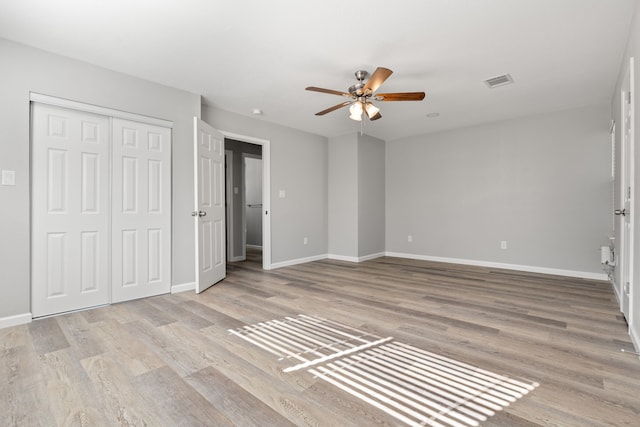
(141, 210)
(69, 210)
(209, 211)
(627, 177)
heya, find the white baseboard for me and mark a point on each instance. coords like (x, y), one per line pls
(237, 258)
(355, 259)
(18, 319)
(183, 287)
(635, 338)
(343, 258)
(617, 294)
(297, 261)
(527, 268)
(370, 256)
(248, 246)
(516, 267)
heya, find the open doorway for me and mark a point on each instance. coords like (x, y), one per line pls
(252, 174)
(245, 201)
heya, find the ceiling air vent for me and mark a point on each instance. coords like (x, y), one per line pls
(499, 81)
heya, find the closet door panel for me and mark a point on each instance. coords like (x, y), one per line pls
(141, 210)
(69, 210)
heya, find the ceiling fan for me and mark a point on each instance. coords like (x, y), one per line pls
(362, 94)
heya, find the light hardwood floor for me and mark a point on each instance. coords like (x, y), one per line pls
(172, 361)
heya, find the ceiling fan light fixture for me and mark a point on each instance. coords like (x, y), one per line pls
(371, 109)
(356, 111)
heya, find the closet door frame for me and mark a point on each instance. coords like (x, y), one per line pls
(110, 114)
(90, 108)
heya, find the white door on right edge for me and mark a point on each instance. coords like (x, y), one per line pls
(627, 176)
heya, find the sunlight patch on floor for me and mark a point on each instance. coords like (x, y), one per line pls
(415, 386)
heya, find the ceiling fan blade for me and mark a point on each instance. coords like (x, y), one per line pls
(400, 96)
(335, 107)
(329, 91)
(377, 78)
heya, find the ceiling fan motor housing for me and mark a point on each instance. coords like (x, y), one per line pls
(361, 75)
(356, 89)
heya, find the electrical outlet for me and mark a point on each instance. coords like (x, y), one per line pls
(503, 244)
(305, 241)
(8, 177)
(282, 194)
(409, 238)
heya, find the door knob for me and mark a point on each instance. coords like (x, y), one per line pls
(622, 212)
(198, 213)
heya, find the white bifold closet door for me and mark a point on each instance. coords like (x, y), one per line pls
(141, 210)
(100, 215)
(70, 210)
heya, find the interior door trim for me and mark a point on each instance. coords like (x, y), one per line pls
(266, 192)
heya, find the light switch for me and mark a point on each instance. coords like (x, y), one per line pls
(281, 194)
(8, 177)
(235, 190)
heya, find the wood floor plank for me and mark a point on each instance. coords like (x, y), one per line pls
(237, 404)
(70, 394)
(13, 337)
(24, 399)
(144, 309)
(181, 404)
(47, 336)
(344, 409)
(248, 367)
(173, 308)
(124, 403)
(215, 317)
(80, 335)
(98, 314)
(134, 356)
(161, 341)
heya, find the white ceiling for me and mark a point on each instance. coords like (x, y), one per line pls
(246, 54)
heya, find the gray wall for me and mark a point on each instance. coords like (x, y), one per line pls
(371, 195)
(356, 196)
(633, 50)
(25, 69)
(542, 183)
(298, 166)
(343, 196)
